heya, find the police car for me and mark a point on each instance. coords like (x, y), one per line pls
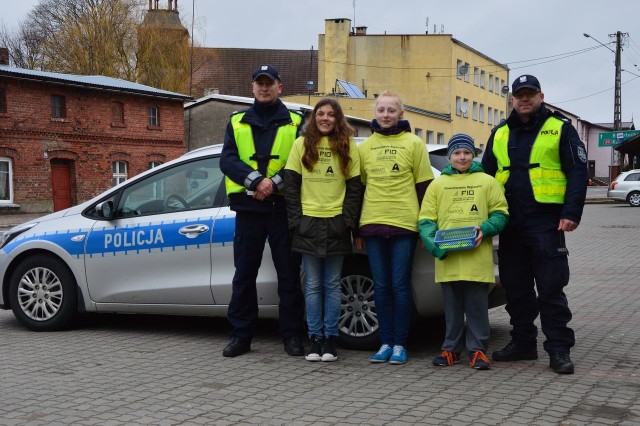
(162, 243)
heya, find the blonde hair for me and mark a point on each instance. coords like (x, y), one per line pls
(393, 95)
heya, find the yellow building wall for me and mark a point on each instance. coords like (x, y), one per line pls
(421, 68)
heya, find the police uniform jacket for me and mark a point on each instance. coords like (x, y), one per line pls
(264, 121)
(518, 190)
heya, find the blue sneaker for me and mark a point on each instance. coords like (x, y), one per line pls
(382, 355)
(399, 355)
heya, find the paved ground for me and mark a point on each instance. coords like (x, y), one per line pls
(116, 370)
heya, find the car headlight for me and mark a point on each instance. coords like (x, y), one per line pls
(9, 235)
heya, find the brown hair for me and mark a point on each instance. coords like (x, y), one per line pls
(338, 140)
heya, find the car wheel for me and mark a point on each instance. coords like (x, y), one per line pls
(358, 325)
(43, 294)
(634, 199)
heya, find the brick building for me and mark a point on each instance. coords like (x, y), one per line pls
(66, 138)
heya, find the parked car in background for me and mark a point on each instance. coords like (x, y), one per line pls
(162, 243)
(626, 187)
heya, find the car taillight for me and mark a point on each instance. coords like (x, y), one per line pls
(613, 184)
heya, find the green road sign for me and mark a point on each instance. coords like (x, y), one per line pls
(615, 138)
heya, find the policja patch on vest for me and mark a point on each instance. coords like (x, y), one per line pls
(582, 154)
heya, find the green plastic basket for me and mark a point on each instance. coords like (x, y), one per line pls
(456, 238)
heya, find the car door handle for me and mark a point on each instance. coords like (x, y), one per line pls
(192, 231)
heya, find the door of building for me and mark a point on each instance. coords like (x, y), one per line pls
(61, 185)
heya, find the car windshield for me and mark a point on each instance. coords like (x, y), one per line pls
(439, 159)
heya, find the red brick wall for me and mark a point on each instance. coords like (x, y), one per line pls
(86, 138)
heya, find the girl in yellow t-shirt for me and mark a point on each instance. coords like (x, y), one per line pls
(395, 169)
(323, 194)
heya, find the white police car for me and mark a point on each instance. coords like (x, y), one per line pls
(162, 243)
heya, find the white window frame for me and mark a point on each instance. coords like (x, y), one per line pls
(8, 175)
(120, 169)
(154, 116)
(481, 115)
(475, 111)
(483, 77)
(490, 116)
(430, 136)
(440, 138)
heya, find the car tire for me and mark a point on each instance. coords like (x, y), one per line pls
(43, 294)
(634, 199)
(358, 324)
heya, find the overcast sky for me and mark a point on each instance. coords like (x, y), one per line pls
(543, 38)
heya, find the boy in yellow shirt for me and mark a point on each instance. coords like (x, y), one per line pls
(464, 196)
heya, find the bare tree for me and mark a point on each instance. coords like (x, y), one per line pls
(101, 37)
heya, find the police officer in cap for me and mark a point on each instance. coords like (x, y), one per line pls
(539, 159)
(256, 147)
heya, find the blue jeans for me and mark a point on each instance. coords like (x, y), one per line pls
(391, 262)
(322, 287)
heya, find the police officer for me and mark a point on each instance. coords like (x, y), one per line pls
(541, 162)
(256, 147)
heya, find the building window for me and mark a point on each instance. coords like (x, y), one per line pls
(458, 105)
(491, 82)
(119, 172)
(496, 117)
(430, 136)
(154, 116)
(441, 138)
(481, 113)
(153, 164)
(498, 88)
(117, 112)
(502, 92)
(475, 111)
(6, 180)
(465, 108)
(476, 76)
(419, 133)
(482, 79)
(3, 100)
(489, 116)
(58, 106)
(459, 68)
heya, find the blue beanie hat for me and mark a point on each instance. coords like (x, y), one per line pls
(460, 140)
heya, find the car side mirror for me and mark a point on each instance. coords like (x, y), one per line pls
(105, 209)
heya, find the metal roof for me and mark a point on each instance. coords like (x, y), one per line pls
(88, 81)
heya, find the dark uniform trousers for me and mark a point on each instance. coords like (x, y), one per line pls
(536, 256)
(251, 232)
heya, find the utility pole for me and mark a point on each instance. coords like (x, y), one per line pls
(617, 109)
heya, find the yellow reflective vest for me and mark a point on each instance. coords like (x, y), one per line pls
(243, 134)
(548, 181)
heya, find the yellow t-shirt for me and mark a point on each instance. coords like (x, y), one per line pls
(391, 166)
(460, 200)
(323, 188)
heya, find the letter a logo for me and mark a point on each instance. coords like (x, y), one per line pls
(396, 167)
(474, 208)
(330, 170)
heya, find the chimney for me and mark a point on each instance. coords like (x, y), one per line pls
(4, 56)
(360, 31)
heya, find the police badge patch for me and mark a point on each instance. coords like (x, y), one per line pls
(582, 154)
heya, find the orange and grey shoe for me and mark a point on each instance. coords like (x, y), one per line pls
(479, 361)
(446, 358)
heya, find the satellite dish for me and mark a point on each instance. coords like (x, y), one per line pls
(505, 90)
(463, 69)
